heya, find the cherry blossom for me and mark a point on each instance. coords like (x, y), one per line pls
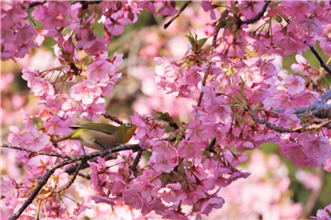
(208, 91)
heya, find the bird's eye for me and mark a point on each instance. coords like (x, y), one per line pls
(128, 124)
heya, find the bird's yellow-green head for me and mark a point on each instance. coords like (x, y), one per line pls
(125, 132)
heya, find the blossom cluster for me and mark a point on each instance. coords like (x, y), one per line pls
(240, 98)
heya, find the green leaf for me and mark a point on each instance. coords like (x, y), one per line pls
(201, 42)
(191, 38)
(163, 116)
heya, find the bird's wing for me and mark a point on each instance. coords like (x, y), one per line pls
(101, 127)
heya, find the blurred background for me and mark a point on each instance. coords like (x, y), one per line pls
(275, 188)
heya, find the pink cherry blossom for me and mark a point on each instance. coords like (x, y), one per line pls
(209, 30)
(164, 147)
(92, 46)
(55, 125)
(42, 87)
(294, 84)
(235, 94)
(187, 149)
(196, 131)
(35, 139)
(327, 165)
(164, 163)
(318, 147)
(251, 8)
(115, 24)
(85, 92)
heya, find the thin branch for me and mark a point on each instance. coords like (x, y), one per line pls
(35, 192)
(71, 181)
(133, 167)
(211, 145)
(320, 103)
(113, 118)
(324, 97)
(33, 4)
(93, 2)
(274, 127)
(212, 50)
(177, 14)
(86, 176)
(70, 170)
(258, 16)
(121, 147)
(320, 59)
(36, 152)
(50, 170)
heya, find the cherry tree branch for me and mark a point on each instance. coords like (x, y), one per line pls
(35, 192)
(71, 181)
(318, 108)
(112, 117)
(86, 176)
(70, 170)
(320, 102)
(322, 112)
(177, 14)
(136, 160)
(211, 145)
(212, 51)
(33, 4)
(257, 17)
(36, 152)
(320, 59)
(274, 127)
(91, 2)
(51, 169)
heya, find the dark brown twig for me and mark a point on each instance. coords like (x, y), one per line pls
(35, 192)
(320, 59)
(36, 152)
(113, 118)
(70, 170)
(133, 167)
(52, 168)
(177, 14)
(93, 2)
(212, 51)
(211, 145)
(33, 4)
(258, 16)
(71, 181)
(86, 176)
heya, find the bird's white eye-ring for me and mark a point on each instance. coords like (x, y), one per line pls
(129, 125)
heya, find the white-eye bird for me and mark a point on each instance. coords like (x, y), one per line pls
(100, 136)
